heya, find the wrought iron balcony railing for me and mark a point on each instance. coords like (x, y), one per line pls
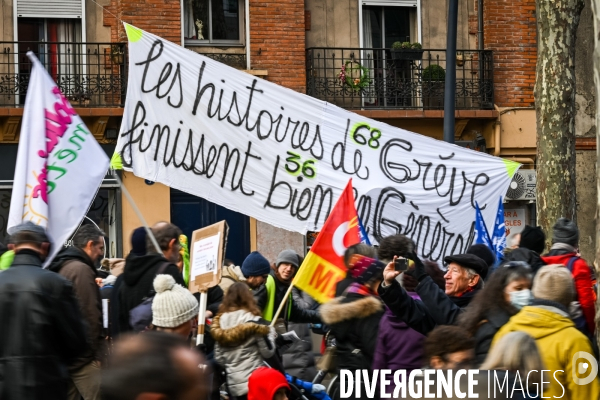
(362, 78)
(89, 74)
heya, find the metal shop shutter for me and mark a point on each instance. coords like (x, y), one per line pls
(49, 8)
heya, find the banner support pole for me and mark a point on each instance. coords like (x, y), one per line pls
(282, 304)
(138, 213)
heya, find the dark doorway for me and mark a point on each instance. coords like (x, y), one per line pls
(189, 213)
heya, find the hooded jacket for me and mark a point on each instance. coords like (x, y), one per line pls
(75, 265)
(243, 342)
(582, 277)
(136, 283)
(265, 382)
(354, 321)
(558, 341)
(230, 275)
(41, 331)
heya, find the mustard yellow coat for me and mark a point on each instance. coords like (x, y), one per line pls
(558, 341)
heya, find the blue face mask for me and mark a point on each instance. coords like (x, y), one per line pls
(521, 298)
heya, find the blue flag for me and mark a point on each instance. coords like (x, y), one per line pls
(364, 238)
(481, 233)
(499, 234)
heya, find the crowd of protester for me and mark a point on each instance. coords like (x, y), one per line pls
(528, 312)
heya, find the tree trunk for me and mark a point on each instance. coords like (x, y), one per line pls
(554, 92)
(596, 57)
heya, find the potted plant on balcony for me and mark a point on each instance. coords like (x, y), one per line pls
(407, 51)
(433, 81)
(117, 55)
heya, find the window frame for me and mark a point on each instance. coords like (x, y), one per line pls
(217, 42)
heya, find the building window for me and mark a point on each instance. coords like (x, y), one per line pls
(213, 22)
(382, 26)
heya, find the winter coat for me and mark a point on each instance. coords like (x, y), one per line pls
(558, 340)
(342, 285)
(398, 346)
(243, 342)
(229, 276)
(41, 331)
(354, 321)
(296, 313)
(137, 283)
(486, 331)
(214, 298)
(529, 256)
(298, 360)
(582, 277)
(75, 265)
(434, 308)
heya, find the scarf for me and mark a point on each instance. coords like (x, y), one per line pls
(361, 289)
(564, 246)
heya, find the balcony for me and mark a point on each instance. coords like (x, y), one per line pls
(368, 78)
(89, 74)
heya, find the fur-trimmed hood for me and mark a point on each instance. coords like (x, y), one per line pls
(339, 310)
(234, 328)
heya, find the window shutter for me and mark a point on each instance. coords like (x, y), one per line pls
(49, 8)
(402, 3)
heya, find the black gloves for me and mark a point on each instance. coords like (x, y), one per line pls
(418, 272)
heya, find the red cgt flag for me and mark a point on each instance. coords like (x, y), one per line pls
(324, 266)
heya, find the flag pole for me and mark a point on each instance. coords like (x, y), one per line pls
(282, 304)
(138, 213)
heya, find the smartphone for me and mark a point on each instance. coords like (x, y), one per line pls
(401, 264)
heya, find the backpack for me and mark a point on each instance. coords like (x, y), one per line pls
(140, 316)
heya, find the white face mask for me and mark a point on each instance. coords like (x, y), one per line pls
(520, 298)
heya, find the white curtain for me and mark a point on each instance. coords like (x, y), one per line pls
(71, 52)
(189, 29)
(367, 55)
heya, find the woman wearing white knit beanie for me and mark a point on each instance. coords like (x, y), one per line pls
(174, 308)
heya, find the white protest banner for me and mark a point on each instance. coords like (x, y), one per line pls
(283, 157)
(59, 163)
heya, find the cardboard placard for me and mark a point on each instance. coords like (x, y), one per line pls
(207, 249)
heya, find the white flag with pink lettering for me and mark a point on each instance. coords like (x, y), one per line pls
(59, 163)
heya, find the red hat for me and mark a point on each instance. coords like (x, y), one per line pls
(264, 383)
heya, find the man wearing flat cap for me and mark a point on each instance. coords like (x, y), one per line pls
(463, 278)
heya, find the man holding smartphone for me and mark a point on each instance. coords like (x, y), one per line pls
(463, 280)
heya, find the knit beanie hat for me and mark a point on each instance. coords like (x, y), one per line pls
(173, 304)
(533, 238)
(255, 265)
(554, 282)
(264, 383)
(565, 231)
(138, 241)
(366, 268)
(483, 252)
(287, 256)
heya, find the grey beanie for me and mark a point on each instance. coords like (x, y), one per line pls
(173, 305)
(565, 231)
(287, 256)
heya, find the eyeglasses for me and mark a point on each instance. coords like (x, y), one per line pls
(516, 264)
